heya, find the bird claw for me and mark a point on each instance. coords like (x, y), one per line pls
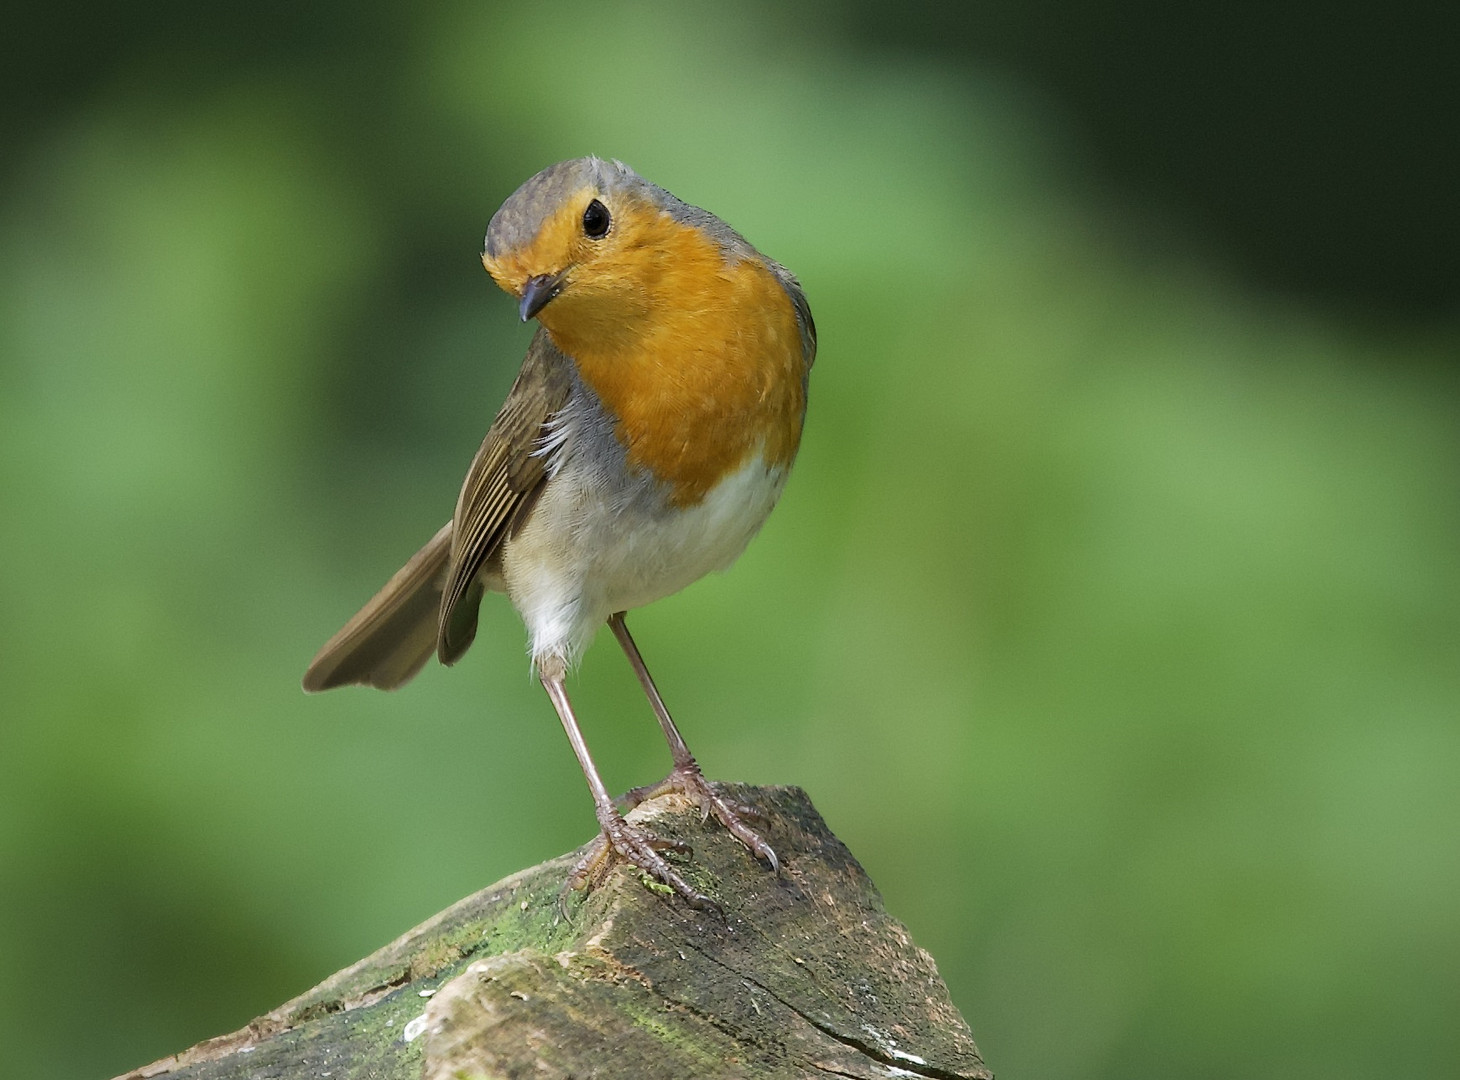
(641, 848)
(691, 783)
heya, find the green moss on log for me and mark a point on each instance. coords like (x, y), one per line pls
(806, 975)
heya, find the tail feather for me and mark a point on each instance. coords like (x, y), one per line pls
(391, 637)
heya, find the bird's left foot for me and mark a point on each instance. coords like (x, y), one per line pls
(691, 783)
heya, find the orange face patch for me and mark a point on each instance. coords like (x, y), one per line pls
(699, 359)
(560, 243)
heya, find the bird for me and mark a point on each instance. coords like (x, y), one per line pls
(648, 435)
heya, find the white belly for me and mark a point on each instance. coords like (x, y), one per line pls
(592, 548)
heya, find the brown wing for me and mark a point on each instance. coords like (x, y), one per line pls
(430, 604)
(500, 489)
(803, 311)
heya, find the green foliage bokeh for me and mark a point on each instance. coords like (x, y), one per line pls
(1110, 615)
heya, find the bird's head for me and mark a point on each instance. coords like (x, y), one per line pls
(591, 249)
(575, 245)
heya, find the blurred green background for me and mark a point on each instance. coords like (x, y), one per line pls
(1110, 616)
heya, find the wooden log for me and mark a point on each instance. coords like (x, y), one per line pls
(805, 975)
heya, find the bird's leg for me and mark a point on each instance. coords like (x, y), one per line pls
(618, 837)
(685, 777)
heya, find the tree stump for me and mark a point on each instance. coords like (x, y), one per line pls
(805, 975)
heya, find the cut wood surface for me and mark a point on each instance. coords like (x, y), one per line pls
(805, 975)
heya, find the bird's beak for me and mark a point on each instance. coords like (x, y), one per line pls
(538, 291)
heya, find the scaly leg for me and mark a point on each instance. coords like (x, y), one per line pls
(618, 836)
(686, 777)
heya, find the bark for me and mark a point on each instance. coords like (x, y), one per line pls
(805, 976)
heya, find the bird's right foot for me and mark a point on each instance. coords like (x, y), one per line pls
(620, 840)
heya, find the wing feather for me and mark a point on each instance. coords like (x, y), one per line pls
(500, 487)
(430, 604)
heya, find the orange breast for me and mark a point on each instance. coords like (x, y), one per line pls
(708, 370)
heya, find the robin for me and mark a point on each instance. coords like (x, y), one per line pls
(647, 437)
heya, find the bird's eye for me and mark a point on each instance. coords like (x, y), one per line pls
(596, 220)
